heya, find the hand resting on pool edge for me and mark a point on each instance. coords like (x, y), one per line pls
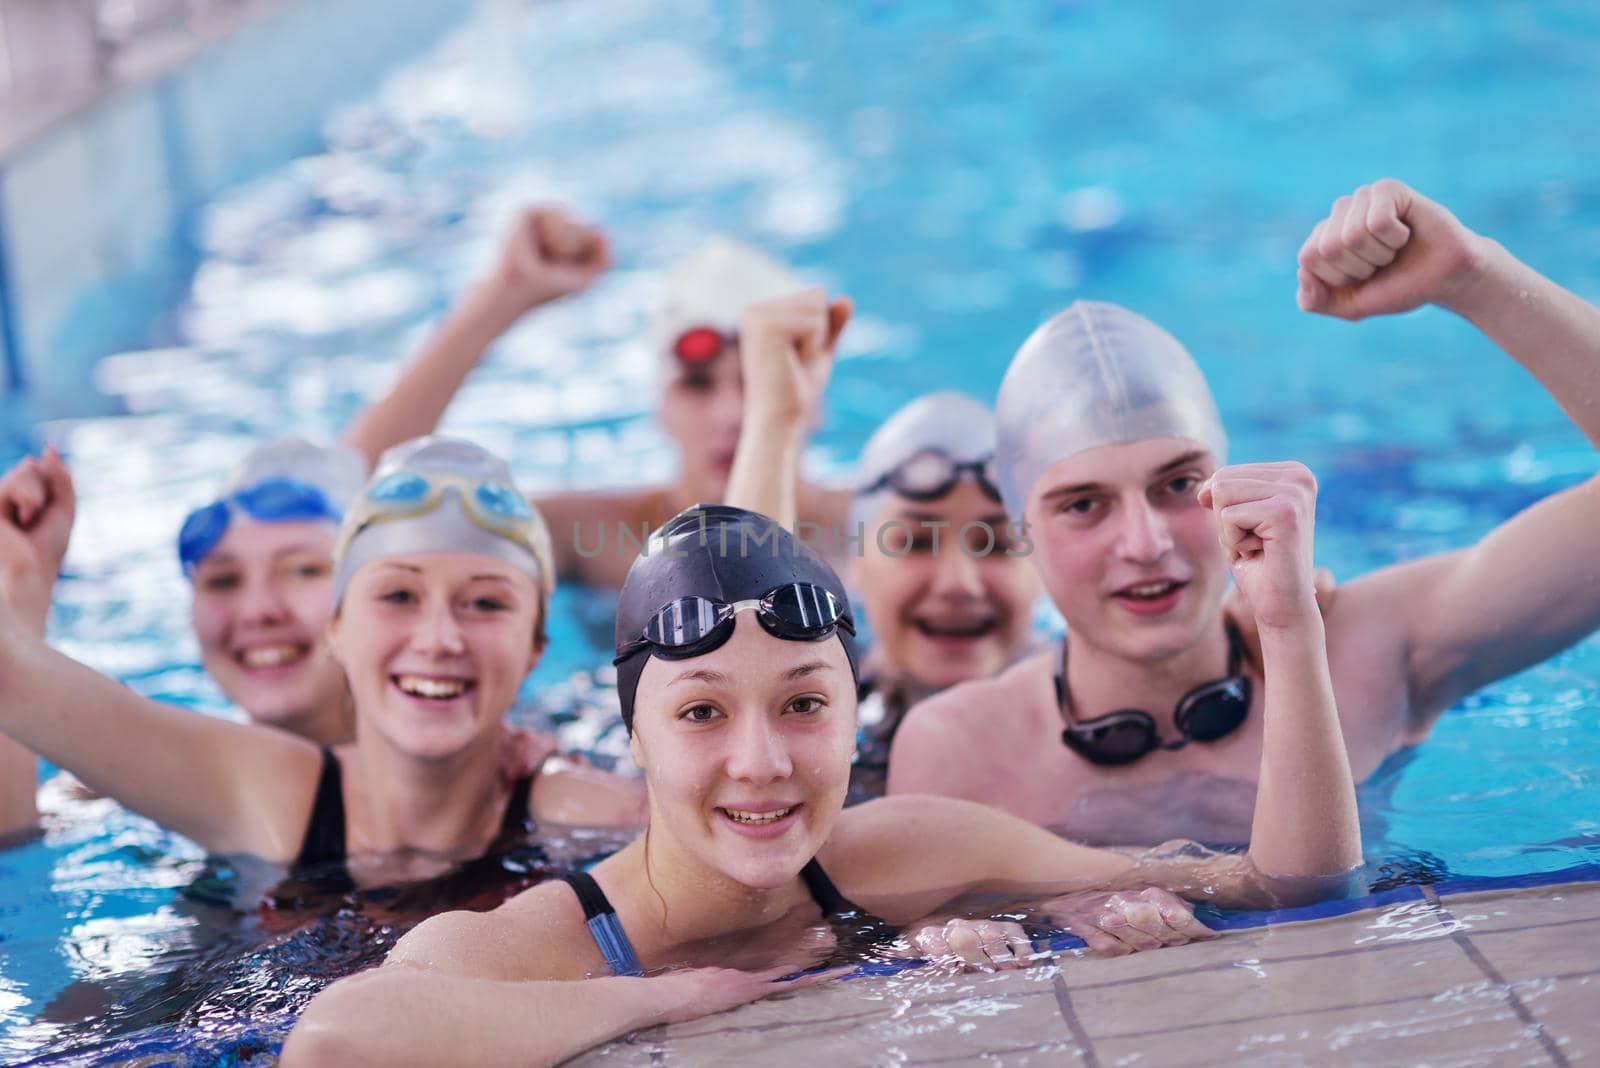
(744, 728)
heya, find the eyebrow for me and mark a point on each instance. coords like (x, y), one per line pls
(1171, 465)
(812, 667)
(717, 678)
(232, 559)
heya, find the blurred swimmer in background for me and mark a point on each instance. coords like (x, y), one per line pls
(738, 680)
(440, 584)
(259, 556)
(694, 331)
(1145, 724)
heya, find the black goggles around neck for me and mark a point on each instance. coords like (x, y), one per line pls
(1207, 713)
(694, 626)
(931, 473)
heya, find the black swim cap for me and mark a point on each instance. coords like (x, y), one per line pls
(718, 552)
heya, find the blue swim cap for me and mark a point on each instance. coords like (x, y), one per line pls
(288, 480)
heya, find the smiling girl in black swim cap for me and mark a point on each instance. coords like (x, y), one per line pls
(738, 679)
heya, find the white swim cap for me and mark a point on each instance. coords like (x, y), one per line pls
(711, 288)
(1096, 374)
(437, 494)
(947, 424)
(336, 470)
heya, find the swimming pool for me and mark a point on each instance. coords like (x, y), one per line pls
(960, 179)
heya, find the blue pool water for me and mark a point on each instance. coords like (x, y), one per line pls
(960, 177)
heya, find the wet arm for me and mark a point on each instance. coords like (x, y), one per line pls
(766, 467)
(416, 402)
(570, 793)
(1305, 838)
(226, 785)
(1529, 588)
(406, 1015)
(786, 352)
(19, 788)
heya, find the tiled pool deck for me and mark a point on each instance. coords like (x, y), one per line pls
(1458, 975)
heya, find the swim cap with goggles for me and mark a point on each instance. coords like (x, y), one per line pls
(704, 297)
(921, 452)
(704, 566)
(288, 480)
(437, 494)
(1096, 374)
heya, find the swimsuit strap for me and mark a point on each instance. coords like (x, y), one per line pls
(324, 840)
(516, 818)
(604, 927)
(823, 892)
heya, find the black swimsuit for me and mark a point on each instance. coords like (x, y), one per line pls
(323, 849)
(613, 942)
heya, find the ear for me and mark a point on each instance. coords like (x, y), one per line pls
(536, 653)
(332, 635)
(635, 750)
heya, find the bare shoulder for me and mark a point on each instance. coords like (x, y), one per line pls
(539, 934)
(997, 707)
(567, 792)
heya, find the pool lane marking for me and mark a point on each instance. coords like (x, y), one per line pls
(1524, 1014)
(1080, 1034)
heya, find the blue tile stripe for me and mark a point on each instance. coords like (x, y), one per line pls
(1243, 920)
(10, 345)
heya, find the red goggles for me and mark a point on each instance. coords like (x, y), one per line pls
(700, 344)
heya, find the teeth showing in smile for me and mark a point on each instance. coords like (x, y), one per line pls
(436, 689)
(1150, 590)
(976, 628)
(757, 817)
(270, 656)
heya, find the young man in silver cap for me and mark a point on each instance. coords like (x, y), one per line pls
(1145, 725)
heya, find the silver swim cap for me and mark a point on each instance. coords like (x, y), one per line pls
(711, 288)
(946, 423)
(436, 494)
(1096, 374)
(336, 470)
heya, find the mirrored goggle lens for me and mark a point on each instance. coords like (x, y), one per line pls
(1218, 712)
(1122, 740)
(202, 529)
(927, 474)
(282, 498)
(399, 488)
(699, 344)
(804, 610)
(498, 499)
(685, 622)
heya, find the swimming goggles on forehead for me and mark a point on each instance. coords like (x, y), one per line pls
(1207, 713)
(702, 344)
(931, 473)
(495, 506)
(694, 626)
(272, 500)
